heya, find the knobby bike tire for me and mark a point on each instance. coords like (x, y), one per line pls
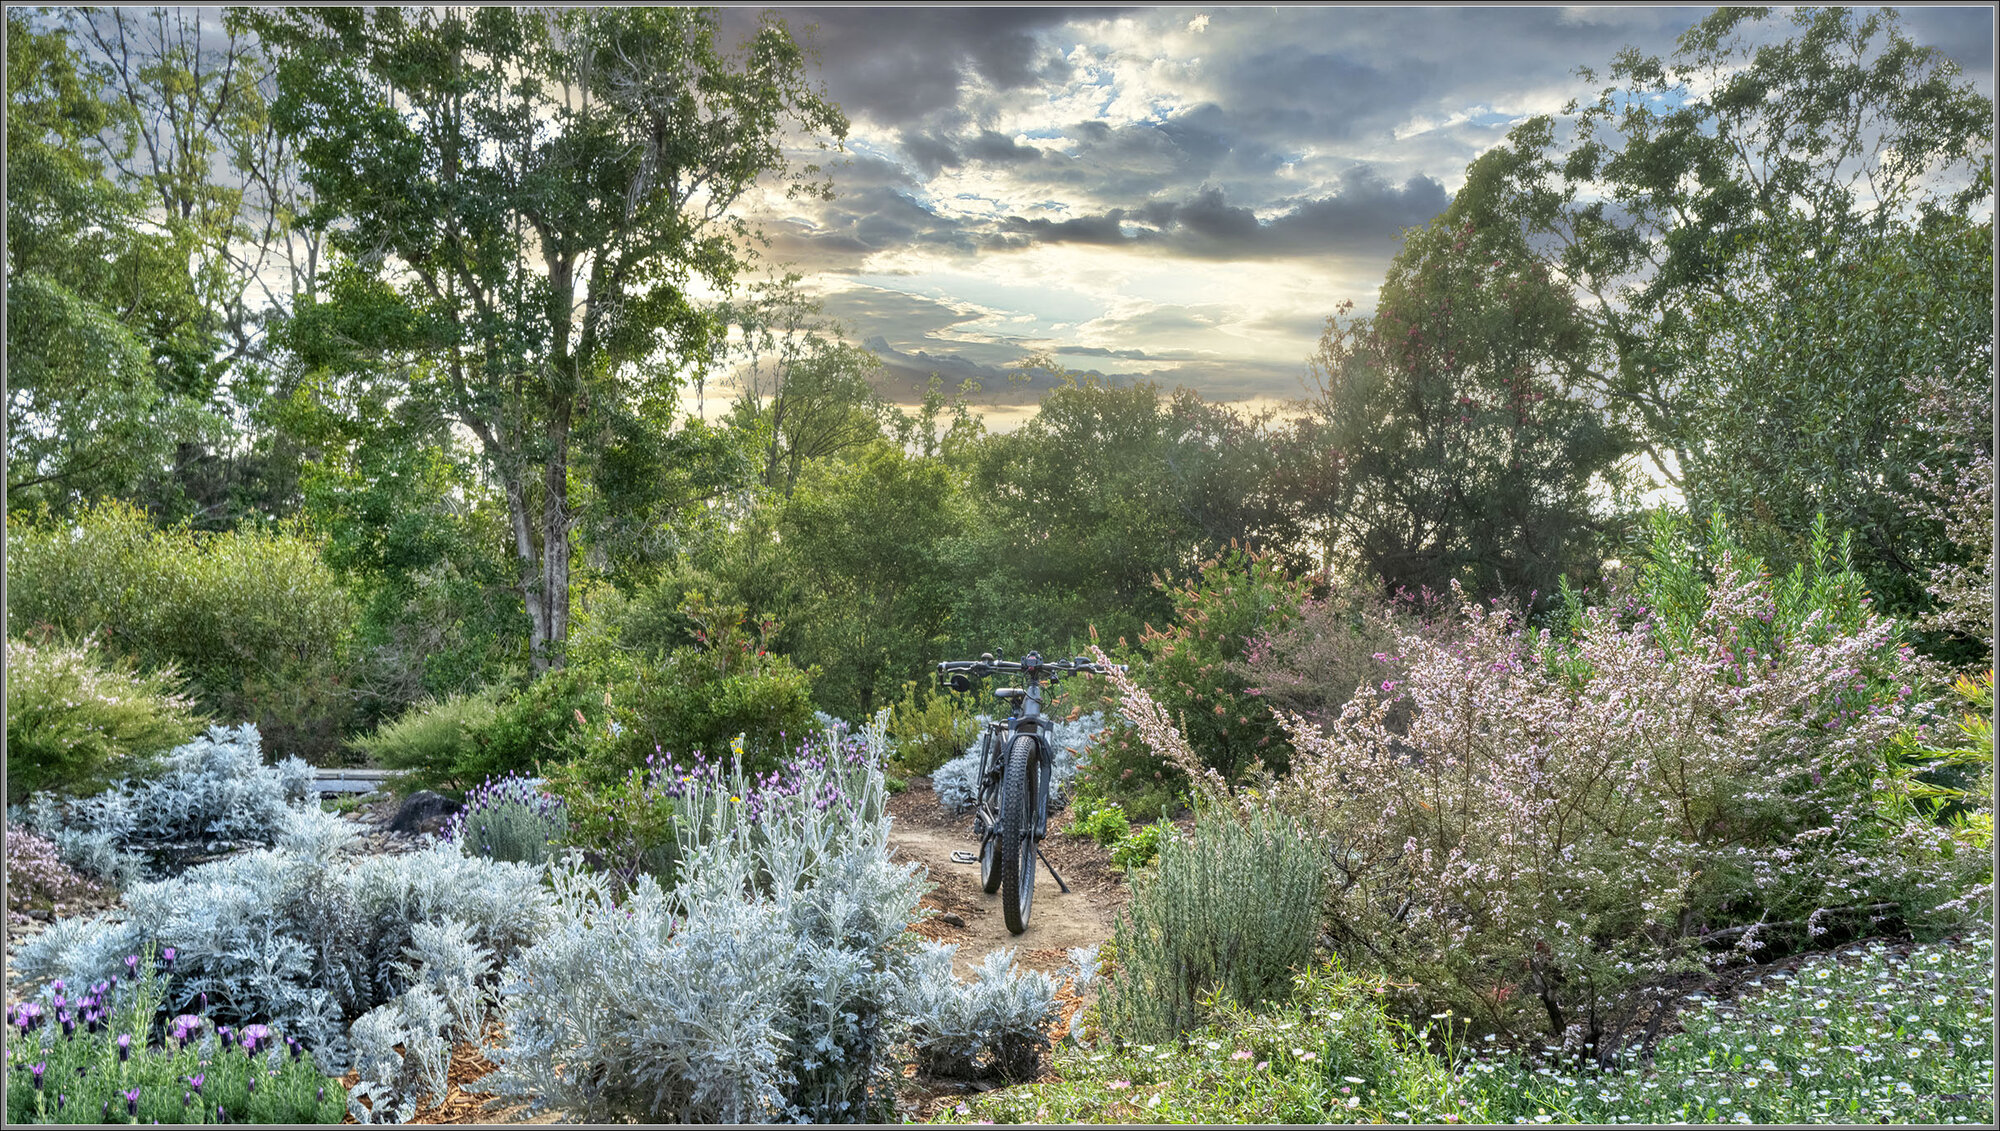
(1017, 833)
(989, 841)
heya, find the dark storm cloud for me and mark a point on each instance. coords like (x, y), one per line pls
(1965, 35)
(1271, 134)
(1366, 215)
(900, 66)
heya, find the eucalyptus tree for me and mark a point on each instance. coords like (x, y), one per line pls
(1461, 445)
(808, 395)
(194, 144)
(1647, 200)
(1770, 231)
(95, 298)
(535, 209)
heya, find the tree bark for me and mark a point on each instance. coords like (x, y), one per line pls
(554, 626)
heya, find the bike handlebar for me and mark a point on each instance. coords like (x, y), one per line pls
(1031, 663)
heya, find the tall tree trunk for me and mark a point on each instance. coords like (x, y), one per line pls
(532, 588)
(554, 624)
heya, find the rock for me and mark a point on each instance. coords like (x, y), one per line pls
(423, 812)
(951, 919)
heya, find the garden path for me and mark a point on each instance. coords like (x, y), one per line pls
(922, 831)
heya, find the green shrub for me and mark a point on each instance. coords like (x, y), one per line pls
(929, 728)
(75, 723)
(1138, 847)
(1233, 911)
(697, 700)
(1194, 669)
(435, 743)
(256, 622)
(1106, 824)
(551, 720)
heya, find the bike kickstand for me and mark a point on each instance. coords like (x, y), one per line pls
(1052, 870)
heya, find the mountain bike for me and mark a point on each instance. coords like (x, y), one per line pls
(1016, 761)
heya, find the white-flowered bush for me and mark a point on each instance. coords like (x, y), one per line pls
(214, 793)
(996, 1024)
(956, 783)
(762, 988)
(308, 943)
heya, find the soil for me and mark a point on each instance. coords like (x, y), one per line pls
(923, 831)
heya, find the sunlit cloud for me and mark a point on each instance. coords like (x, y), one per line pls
(1165, 194)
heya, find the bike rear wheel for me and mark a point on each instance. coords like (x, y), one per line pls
(989, 811)
(1017, 832)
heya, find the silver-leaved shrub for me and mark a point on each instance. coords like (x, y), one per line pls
(956, 782)
(308, 943)
(995, 1024)
(763, 987)
(213, 794)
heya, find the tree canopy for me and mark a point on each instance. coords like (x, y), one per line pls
(530, 207)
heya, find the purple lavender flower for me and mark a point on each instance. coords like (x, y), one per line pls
(168, 955)
(37, 1069)
(132, 1103)
(132, 964)
(124, 1047)
(254, 1035)
(195, 1081)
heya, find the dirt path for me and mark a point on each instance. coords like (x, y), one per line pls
(923, 831)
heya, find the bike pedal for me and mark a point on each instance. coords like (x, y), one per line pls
(958, 857)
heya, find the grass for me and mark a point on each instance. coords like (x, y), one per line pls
(1857, 1036)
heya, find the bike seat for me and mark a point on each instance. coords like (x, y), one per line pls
(1011, 694)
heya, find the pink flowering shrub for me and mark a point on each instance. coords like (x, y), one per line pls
(1335, 644)
(1572, 817)
(38, 880)
(1959, 496)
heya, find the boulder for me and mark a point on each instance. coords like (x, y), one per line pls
(423, 812)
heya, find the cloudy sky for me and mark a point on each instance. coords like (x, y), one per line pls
(1178, 193)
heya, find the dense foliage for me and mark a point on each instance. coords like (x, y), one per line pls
(255, 621)
(1232, 910)
(97, 1054)
(1490, 748)
(74, 723)
(1864, 1035)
